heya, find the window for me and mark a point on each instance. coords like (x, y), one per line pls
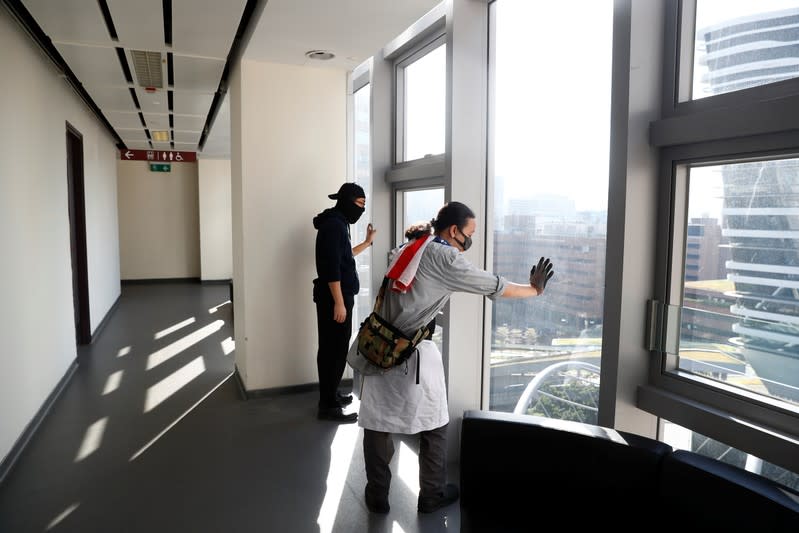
(681, 438)
(421, 96)
(415, 206)
(743, 44)
(362, 175)
(725, 321)
(548, 170)
(740, 314)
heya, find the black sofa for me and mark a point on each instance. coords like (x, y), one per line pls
(520, 472)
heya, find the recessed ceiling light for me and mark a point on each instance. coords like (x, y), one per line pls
(321, 55)
(160, 136)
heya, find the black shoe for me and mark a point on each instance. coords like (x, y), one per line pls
(343, 399)
(336, 414)
(434, 503)
(377, 505)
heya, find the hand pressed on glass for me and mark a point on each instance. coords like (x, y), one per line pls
(540, 274)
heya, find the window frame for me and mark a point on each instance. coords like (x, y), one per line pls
(400, 64)
(688, 134)
(360, 78)
(678, 70)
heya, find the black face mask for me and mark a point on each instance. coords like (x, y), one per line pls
(467, 241)
(352, 211)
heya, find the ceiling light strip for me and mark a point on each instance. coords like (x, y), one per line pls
(134, 97)
(167, 22)
(246, 25)
(170, 70)
(123, 62)
(109, 22)
(29, 24)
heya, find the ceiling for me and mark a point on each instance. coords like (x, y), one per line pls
(179, 49)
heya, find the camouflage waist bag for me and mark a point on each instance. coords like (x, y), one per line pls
(381, 343)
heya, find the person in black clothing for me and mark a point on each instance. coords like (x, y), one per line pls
(334, 293)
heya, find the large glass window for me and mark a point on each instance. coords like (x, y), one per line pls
(421, 95)
(548, 168)
(725, 325)
(362, 169)
(740, 309)
(741, 44)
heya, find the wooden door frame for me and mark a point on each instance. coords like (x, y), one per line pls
(77, 231)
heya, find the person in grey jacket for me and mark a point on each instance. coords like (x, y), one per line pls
(392, 401)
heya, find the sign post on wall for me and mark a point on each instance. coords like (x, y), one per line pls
(158, 156)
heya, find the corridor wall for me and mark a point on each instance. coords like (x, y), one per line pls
(36, 315)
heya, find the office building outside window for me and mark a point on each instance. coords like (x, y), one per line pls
(742, 44)
(726, 359)
(548, 172)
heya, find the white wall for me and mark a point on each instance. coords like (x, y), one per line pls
(36, 318)
(216, 255)
(159, 221)
(288, 128)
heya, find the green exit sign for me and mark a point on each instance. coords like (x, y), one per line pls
(160, 167)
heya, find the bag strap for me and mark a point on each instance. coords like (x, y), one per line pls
(380, 294)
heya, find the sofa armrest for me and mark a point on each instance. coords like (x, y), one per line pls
(701, 491)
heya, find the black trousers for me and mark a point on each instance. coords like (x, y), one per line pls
(334, 343)
(378, 449)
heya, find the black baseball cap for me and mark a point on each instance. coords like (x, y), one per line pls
(348, 191)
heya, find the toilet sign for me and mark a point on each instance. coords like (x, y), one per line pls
(158, 156)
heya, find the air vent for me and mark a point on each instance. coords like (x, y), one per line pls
(147, 66)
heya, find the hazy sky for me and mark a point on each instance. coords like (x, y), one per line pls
(553, 71)
(552, 100)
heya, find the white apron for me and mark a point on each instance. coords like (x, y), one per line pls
(394, 403)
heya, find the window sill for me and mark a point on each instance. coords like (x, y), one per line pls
(770, 445)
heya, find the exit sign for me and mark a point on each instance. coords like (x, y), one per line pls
(160, 167)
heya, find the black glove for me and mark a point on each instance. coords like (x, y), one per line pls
(540, 274)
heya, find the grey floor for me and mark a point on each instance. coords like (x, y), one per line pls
(175, 448)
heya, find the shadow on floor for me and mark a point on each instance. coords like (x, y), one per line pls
(151, 435)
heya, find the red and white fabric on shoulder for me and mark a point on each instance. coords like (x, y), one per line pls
(403, 267)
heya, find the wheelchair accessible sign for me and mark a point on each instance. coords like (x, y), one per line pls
(158, 156)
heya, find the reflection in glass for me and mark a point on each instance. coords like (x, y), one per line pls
(681, 438)
(550, 186)
(425, 84)
(740, 319)
(742, 44)
(363, 177)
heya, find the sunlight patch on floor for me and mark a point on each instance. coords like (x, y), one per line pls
(92, 439)
(123, 351)
(172, 329)
(168, 352)
(112, 383)
(408, 468)
(228, 345)
(396, 528)
(65, 513)
(178, 419)
(343, 447)
(173, 383)
(214, 309)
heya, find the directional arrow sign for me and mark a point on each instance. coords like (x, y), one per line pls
(155, 156)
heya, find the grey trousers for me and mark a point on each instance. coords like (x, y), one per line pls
(378, 450)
